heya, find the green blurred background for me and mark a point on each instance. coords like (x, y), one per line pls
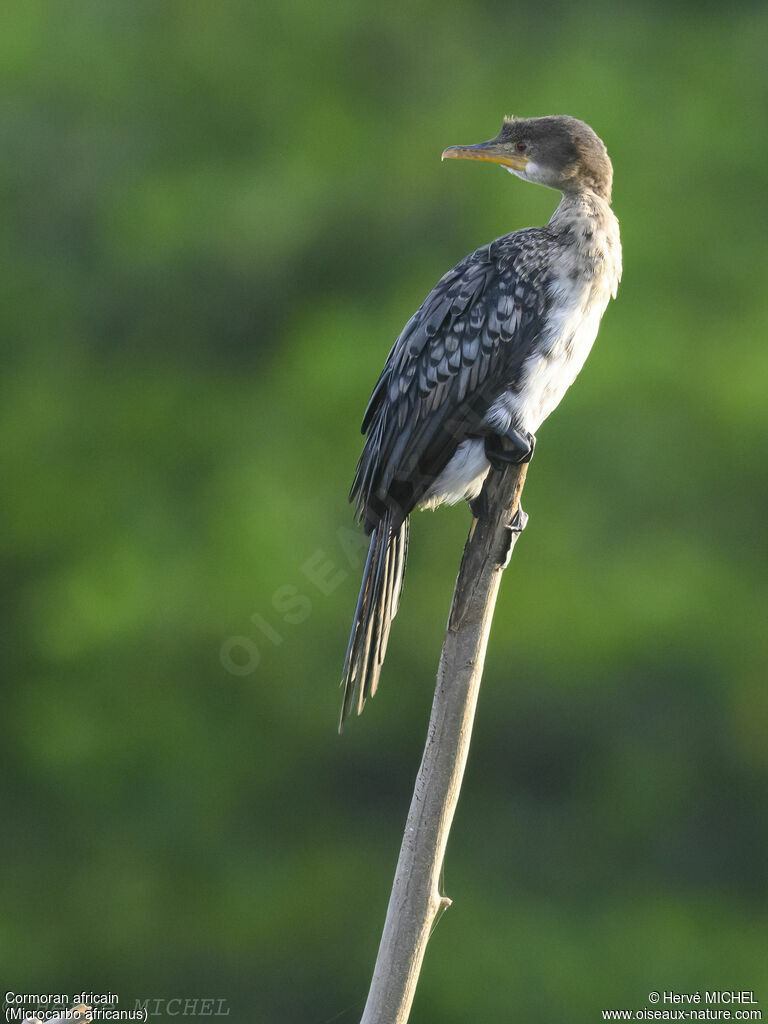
(216, 218)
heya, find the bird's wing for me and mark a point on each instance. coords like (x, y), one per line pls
(463, 347)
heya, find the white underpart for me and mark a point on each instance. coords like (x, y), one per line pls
(584, 279)
(462, 479)
(546, 375)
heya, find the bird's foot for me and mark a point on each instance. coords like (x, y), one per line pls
(520, 448)
(480, 510)
(479, 506)
(517, 524)
(519, 520)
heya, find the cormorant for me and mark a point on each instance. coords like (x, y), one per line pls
(482, 363)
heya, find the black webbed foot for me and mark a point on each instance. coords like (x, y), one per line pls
(479, 506)
(519, 449)
(519, 520)
(517, 524)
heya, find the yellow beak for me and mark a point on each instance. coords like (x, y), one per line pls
(494, 151)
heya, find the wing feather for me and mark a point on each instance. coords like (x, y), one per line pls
(463, 347)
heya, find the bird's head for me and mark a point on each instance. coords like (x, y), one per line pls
(560, 152)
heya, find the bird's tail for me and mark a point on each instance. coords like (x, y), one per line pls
(376, 607)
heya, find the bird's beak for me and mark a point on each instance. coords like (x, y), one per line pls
(496, 151)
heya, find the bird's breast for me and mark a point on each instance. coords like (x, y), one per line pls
(579, 289)
(547, 374)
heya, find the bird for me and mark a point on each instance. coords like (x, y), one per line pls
(481, 364)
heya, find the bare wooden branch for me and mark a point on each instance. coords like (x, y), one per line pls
(416, 899)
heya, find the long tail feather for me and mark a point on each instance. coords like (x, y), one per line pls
(376, 607)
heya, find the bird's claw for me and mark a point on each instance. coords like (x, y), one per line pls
(479, 506)
(516, 525)
(522, 447)
(519, 520)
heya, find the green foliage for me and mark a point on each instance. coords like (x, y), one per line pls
(217, 217)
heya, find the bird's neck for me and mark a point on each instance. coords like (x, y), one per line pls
(581, 212)
(589, 231)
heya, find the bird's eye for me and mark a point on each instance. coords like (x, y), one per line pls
(521, 147)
